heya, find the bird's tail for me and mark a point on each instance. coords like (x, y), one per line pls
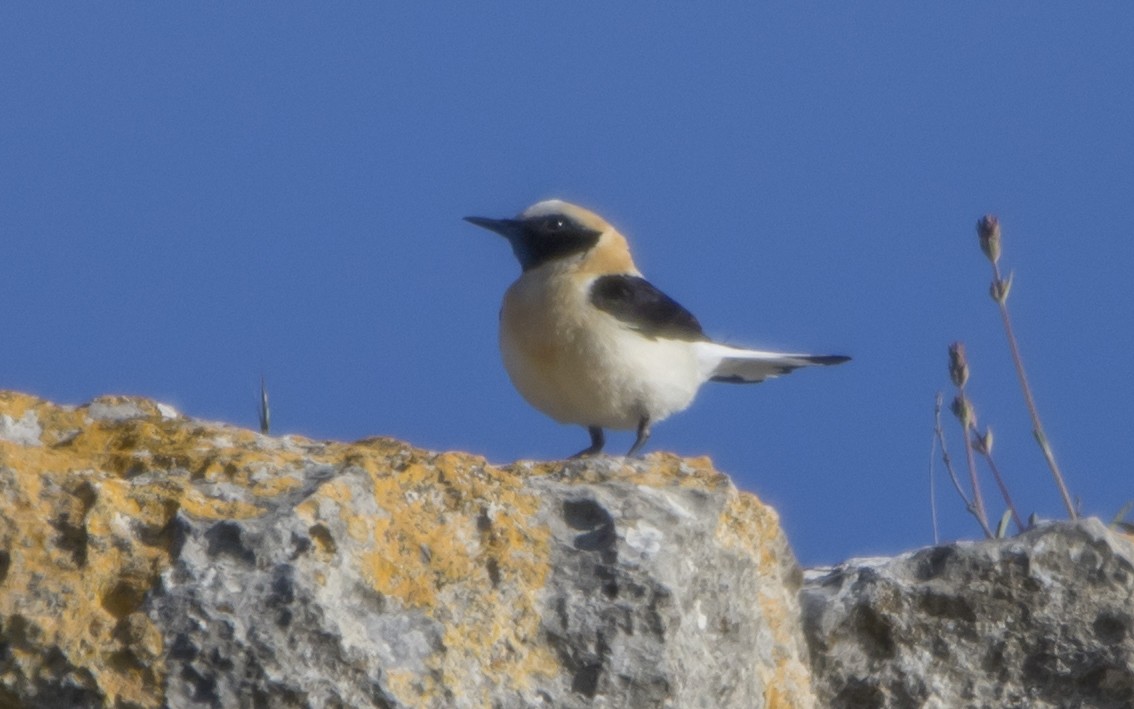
(721, 363)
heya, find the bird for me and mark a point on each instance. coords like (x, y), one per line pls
(587, 340)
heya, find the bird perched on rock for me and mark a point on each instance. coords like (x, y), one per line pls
(587, 340)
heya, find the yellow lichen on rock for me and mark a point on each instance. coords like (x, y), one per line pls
(86, 539)
(75, 576)
(442, 547)
(149, 559)
(747, 523)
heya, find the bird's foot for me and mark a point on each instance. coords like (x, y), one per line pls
(643, 436)
(597, 442)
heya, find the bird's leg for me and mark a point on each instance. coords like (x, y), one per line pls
(597, 442)
(643, 436)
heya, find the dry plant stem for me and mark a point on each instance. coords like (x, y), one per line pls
(1003, 489)
(1122, 513)
(932, 458)
(1037, 427)
(948, 461)
(265, 409)
(978, 501)
(978, 498)
(946, 458)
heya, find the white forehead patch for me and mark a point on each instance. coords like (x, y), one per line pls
(583, 217)
(546, 207)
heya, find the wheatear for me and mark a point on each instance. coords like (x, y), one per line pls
(587, 340)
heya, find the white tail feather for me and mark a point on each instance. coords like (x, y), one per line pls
(732, 364)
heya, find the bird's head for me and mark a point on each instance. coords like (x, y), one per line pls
(552, 230)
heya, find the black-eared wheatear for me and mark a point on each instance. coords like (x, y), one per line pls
(587, 340)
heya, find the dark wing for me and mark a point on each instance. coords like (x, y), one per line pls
(636, 302)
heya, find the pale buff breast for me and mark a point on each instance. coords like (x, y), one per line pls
(580, 365)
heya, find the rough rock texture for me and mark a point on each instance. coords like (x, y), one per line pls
(1045, 619)
(148, 559)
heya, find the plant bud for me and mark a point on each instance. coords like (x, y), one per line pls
(963, 410)
(983, 443)
(958, 366)
(1000, 288)
(988, 229)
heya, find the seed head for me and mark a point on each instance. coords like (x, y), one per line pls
(988, 229)
(958, 366)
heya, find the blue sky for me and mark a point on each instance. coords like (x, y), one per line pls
(193, 195)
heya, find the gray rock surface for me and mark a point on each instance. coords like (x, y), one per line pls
(148, 559)
(1042, 620)
(642, 605)
(152, 560)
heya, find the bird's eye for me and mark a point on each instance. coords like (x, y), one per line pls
(556, 224)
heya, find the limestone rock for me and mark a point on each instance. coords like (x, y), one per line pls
(1042, 620)
(148, 559)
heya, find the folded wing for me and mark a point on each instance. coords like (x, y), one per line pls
(642, 307)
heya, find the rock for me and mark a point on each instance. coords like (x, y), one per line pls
(1042, 620)
(148, 559)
